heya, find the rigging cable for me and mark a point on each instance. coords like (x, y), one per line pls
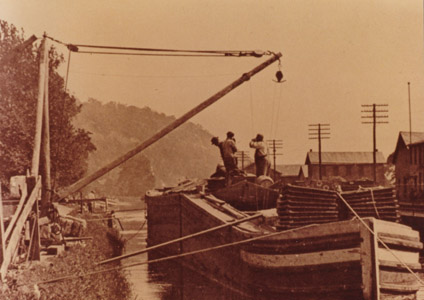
(251, 106)
(152, 76)
(156, 54)
(279, 75)
(278, 110)
(67, 69)
(228, 53)
(272, 113)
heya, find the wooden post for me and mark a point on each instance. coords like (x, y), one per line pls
(2, 239)
(376, 263)
(39, 117)
(34, 251)
(46, 177)
(16, 233)
(90, 178)
(367, 263)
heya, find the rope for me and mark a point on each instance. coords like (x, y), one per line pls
(229, 245)
(157, 54)
(152, 76)
(374, 203)
(226, 52)
(138, 231)
(55, 40)
(278, 110)
(272, 112)
(251, 105)
(379, 240)
(230, 53)
(167, 257)
(67, 70)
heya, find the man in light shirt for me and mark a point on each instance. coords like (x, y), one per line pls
(261, 155)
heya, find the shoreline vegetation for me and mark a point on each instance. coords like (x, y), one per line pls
(23, 281)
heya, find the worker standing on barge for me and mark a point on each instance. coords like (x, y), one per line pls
(261, 155)
(229, 150)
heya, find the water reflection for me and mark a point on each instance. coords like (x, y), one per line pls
(165, 280)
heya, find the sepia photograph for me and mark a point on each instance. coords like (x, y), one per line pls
(212, 150)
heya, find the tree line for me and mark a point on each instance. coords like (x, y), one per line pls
(70, 146)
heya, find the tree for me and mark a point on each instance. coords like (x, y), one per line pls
(70, 146)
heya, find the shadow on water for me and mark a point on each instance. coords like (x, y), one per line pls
(184, 284)
(164, 280)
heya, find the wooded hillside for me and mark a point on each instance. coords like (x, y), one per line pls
(116, 129)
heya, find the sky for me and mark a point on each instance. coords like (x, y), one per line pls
(337, 55)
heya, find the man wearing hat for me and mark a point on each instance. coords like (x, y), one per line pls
(215, 141)
(261, 155)
(228, 152)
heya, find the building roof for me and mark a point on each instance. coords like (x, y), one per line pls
(344, 158)
(290, 170)
(406, 139)
(413, 138)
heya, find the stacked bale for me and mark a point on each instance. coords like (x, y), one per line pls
(300, 206)
(380, 203)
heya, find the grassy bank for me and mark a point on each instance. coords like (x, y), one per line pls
(77, 260)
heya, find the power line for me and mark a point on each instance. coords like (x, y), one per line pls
(243, 156)
(274, 145)
(319, 132)
(375, 115)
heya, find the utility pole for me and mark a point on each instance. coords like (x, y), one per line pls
(243, 156)
(410, 117)
(319, 132)
(274, 145)
(372, 112)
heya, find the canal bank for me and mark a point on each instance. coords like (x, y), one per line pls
(32, 280)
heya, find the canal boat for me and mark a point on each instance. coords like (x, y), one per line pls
(358, 258)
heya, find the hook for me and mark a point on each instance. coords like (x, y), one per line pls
(279, 75)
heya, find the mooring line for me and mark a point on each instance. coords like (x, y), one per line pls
(170, 257)
(229, 245)
(209, 230)
(380, 241)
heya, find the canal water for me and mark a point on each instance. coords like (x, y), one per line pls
(165, 280)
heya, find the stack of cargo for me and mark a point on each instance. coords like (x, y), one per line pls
(380, 203)
(300, 206)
